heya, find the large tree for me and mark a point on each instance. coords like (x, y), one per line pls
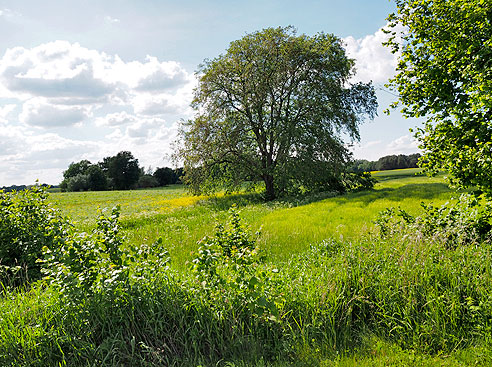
(82, 176)
(122, 169)
(273, 107)
(444, 74)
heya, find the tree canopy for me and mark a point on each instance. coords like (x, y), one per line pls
(84, 175)
(273, 108)
(122, 169)
(444, 74)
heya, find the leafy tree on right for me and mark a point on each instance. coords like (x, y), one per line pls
(444, 74)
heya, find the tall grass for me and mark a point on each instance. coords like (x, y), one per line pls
(327, 291)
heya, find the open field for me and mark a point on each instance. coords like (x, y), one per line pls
(286, 226)
(325, 289)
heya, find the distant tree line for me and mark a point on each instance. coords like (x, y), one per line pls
(119, 172)
(386, 163)
(21, 187)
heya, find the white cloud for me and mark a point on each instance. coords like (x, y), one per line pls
(68, 73)
(373, 61)
(8, 13)
(5, 111)
(38, 112)
(116, 119)
(116, 105)
(373, 150)
(405, 144)
(27, 156)
(154, 105)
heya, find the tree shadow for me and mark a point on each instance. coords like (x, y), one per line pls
(421, 191)
(221, 203)
(418, 191)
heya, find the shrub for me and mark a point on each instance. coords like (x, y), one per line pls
(147, 181)
(358, 181)
(79, 182)
(86, 264)
(467, 221)
(229, 267)
(27, 224)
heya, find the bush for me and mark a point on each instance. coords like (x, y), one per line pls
(147, 181)
(86, 264)
(229, 267)
(27, 225)
(79, 182)
(468, 221)
(358, 181)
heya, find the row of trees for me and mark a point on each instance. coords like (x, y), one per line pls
(275, 105)
(388, 162)
(119, 172)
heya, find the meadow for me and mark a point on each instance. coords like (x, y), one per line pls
(286, 227)
(324, 287)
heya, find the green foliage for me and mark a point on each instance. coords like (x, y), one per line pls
(272, 108)
(358, 181)
(388, 162)
(83, 176)
(79, 182)
(87, 264)
(228, 266)
(466, 222)
(444, 74)
(28, 223)
(167, 176)
(147, 181)
(122, 170)
(403, 299)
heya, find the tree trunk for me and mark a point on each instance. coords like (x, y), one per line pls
(270, 189)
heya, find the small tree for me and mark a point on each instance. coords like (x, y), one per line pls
(84, 176)
(27, 224)
(272, 108)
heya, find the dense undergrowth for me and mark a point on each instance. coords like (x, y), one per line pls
(422, 283)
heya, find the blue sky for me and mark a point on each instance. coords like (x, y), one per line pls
(87, 79)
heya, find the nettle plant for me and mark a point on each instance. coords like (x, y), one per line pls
(87, 264)
(28, 223)
(468, 221)
(229, 267)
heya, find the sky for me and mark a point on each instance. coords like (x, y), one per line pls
(88, 79)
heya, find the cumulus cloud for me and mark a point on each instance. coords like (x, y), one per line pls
(161, 78)
(8, 13)
(116, 119)
(37, 112)
(116, 105)
(405, 144)
(373, 61)
(26, 156)
(154, 105)
(68, 73)
(375, 149)
(5, 111)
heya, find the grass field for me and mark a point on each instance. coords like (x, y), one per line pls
(329, 291)
(287, 226)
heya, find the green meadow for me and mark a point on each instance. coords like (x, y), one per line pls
(285, 227)
(324, 288)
